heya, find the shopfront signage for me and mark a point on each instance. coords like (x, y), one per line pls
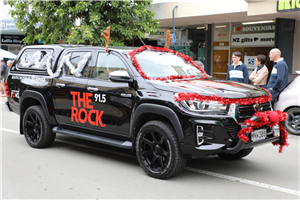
(242, 29)
(161, 33)
(256, 39)
(288, 5)
(12, 39)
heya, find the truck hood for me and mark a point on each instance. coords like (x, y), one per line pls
(211, 86)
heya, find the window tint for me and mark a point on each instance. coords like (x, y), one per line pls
(106, 64)
(79, 61)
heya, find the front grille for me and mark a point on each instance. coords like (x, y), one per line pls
(234, 129)
(247, 111)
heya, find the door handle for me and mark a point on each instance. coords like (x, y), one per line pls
(60, 85)
(92, 89)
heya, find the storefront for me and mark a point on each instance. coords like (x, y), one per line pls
(12, 43)
(250, 39)
(273, 24)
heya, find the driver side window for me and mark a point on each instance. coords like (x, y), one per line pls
(106, 64)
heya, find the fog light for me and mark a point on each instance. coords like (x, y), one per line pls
(199, 135)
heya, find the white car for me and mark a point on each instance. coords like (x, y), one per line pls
(289, 101)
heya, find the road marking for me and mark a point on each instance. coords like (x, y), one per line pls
(231, 178)
(241, 180)
(8, 130)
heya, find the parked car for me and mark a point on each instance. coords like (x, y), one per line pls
(289, 101)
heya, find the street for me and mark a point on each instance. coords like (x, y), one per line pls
(76, 169)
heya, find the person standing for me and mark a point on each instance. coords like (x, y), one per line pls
(237, 71)
(9, 64)
(279, 75)
(3, 76)
(259, 76)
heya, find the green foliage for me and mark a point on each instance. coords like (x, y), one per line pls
(49, 21)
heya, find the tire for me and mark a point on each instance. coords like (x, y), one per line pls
(242, 153)
(37, 131)
(158, 150)
(292, 123)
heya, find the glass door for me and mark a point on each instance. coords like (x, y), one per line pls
(220, 62)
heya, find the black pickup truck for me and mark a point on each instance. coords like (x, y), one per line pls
(155, 101)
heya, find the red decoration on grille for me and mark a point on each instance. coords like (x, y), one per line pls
(269, 118)
(264, 119)
(160, 49)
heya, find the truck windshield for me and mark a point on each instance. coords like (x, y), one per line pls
(163, 64)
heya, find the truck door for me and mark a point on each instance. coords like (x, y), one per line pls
(112, 101)
(69, 89)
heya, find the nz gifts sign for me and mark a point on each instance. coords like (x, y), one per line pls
(255, 39)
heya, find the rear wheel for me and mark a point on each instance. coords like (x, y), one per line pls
(236, 156)
(36, 129)
(158, 150)
(292, 123)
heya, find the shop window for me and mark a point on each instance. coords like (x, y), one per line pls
(220, 50)
(221, 35)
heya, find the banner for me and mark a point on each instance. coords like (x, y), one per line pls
(288, 5)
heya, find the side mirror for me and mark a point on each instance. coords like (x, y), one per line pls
(120, 76)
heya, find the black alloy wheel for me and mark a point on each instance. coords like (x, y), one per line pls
(158, 151)
(36, 129)
(292, 123)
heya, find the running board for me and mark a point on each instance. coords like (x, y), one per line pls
(99, 139)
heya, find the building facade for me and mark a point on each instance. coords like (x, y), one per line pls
(11, 38)
(210, 31)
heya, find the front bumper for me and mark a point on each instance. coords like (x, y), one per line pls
(219, 137)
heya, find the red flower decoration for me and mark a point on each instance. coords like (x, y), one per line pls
(160, 49)
(264, 119)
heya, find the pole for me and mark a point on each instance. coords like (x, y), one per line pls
(174, 19)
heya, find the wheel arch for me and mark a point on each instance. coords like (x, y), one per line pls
(147, 112)
(293, 106)
(30, 98)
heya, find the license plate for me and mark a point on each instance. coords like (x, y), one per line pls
(259, 134)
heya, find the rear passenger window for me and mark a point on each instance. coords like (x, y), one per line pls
(106, 64)
(76, 63)
(36, 59)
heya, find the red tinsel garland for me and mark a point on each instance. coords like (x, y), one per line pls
(160, 49)
(243, 101)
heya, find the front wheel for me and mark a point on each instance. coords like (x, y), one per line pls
(158, 150)
(236, 156)
(292, 123)
(36, 129)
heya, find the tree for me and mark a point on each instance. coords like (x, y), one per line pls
(49, 21)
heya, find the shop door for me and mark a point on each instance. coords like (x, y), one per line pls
(220, 62)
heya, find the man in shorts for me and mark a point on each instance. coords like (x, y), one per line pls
(3, 76)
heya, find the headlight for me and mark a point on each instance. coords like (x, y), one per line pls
(211, 106)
